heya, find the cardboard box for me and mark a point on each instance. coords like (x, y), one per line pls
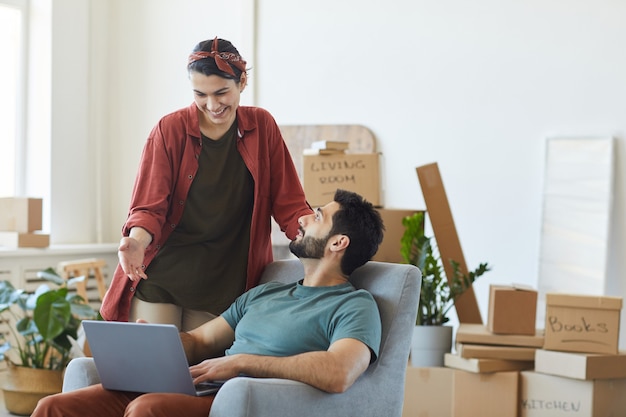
(485, 395)
(22, 215)
(513, 353)
(479, 334)
(323, 174)
(24, 240)
(428, 392)
(482, 366)
(544, 395)
(512, 309)
(389, 249)
(447, 239)
(582, 323)
(580, 365)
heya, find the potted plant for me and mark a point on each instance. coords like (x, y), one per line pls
(41, 326)
(437, 294)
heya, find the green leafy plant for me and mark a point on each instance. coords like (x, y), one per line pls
(42, 323)
(437, 296)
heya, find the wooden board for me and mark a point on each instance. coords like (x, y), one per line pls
(448, 243)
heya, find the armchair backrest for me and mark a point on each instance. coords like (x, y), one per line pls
(396, 288)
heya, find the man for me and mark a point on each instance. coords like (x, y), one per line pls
(320, 331)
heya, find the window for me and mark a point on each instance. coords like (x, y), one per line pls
(12, 99)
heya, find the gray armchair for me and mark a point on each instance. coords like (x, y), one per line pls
(378, 392)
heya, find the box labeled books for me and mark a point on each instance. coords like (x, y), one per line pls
(582, 323)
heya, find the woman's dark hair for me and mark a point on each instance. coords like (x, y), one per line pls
(208, 66)
(361, 222)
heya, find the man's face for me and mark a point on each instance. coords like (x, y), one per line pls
(314, 232)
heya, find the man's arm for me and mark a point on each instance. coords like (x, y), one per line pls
(334, 370)
(207, 341)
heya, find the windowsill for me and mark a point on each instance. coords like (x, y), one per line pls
(68, 249)
(280, 251)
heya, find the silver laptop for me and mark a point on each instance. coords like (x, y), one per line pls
(142, 357)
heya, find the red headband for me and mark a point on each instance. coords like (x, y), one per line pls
(222, 59)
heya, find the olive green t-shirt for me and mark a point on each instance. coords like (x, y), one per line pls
(203, 264)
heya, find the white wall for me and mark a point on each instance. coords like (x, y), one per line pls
(148, 45)
(72, 198)
(117, 67)
(475, 86)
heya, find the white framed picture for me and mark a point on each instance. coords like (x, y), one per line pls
(577, 207)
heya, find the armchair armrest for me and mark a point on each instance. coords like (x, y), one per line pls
(244, 397)
(80, 373)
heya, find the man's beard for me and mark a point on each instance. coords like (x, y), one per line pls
(309, 247)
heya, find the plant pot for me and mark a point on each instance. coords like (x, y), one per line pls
(25, 386)
(429, 345)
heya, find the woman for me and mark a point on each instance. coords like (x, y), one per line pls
(211, 175)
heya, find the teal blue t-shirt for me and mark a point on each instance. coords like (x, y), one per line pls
(277, 319)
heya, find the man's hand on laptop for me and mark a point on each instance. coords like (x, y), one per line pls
(215, 369)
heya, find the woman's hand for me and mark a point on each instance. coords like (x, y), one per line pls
(131, 253)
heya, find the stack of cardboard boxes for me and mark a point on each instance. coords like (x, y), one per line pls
(488, 358)
(20, 221)
(575, 368)
(509, 341)
(508, 368)
(579, 371)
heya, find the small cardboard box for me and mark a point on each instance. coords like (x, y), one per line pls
(485, 395)
(24, 240)
(428, 392)
(323, 174)
(580, 365)
(22, 215)
(478, 334)
(544, 395)
(582, 323)
(512, 309)
(389, 249)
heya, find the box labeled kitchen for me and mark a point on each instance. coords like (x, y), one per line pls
(544, 395)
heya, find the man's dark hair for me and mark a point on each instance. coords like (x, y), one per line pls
(361, 222)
